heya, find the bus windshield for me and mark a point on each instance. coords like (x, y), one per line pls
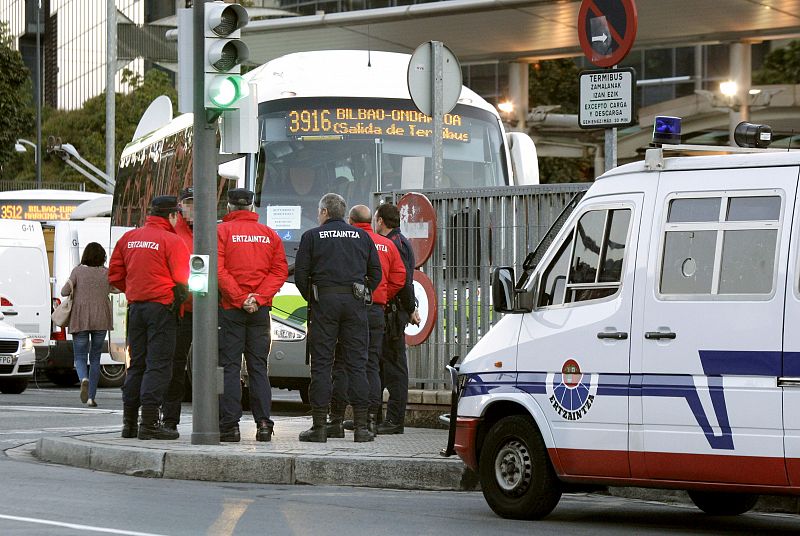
(357, 146)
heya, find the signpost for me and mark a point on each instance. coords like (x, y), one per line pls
(607, 98)
(606, 31)
(434, 83)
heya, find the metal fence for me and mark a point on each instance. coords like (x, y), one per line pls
(9, 186)
(476, 230)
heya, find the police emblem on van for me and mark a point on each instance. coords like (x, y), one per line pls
(571, 393)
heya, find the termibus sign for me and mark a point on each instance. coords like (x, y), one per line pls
(607, 98)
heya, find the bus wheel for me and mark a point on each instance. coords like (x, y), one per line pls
(111, 375)
(723, 504)
(517, 478)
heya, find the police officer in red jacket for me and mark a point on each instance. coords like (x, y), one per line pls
(151, 265)
(252, 269)
(393, 279)
(171, 410)
(336, 268)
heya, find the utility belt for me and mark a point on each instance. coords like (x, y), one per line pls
(360, 291)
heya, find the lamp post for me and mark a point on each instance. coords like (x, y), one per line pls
(38, 93)
(19, 146)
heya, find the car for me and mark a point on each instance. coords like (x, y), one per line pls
(17, 359)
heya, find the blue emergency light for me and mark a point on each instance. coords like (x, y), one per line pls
(666, 129)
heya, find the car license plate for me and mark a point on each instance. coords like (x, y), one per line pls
(6, 360)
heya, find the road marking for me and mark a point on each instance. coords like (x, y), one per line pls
(69, 411)
(76, 526)
(81, 430)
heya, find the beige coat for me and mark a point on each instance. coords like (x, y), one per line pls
(91, 307)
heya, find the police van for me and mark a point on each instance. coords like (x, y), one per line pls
(654, 343)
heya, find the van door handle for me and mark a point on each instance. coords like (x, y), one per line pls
(656, 335)
(618, 335)
(10, 313)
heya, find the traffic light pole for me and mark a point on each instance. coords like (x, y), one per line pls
(205, 399)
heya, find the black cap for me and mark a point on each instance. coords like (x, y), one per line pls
(164, 205)
(241, 197)
(186, 193)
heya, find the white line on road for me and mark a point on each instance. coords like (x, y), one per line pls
(77, 527)
(53, 409)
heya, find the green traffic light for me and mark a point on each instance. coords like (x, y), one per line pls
(198, 282)
(225, 90)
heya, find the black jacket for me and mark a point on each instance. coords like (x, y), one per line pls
(336, 254)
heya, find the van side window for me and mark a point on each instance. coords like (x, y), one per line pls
(588, 265)
(730, 253)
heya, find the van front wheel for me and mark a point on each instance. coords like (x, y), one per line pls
(517, 478)
(723, 504)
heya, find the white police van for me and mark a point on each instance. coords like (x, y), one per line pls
(655, 343)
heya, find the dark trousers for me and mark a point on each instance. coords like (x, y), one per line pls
(342, 319)
(245, 333)
(151, 335)
(394, 371)
(341, 395)
(171, 408)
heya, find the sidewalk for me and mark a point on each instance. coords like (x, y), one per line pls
(407, 461)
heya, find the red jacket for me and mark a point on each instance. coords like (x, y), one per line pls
(251, 260)
(394, 271)
(148, 262)
(185, 233)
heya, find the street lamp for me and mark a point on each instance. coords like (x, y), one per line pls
(20, 148)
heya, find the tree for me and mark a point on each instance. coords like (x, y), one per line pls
(781, 66)
(85, 128)
(16, 107)
(556, 82)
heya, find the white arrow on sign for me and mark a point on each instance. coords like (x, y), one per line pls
(601, 38)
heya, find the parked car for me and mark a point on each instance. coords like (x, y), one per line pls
(17, 359)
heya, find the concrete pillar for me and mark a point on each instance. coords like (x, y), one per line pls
(698, 67)
(518, 89)
(741, 73)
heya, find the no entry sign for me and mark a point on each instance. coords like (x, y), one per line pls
(606, 30)
(418, 224)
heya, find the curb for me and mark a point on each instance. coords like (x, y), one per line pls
(261, 468)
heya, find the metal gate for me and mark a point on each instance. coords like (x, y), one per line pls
(476, 230)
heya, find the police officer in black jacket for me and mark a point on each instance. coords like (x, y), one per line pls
(336, 269)
(399, 312)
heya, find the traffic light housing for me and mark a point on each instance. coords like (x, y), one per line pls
(223, 55)
(198, 273)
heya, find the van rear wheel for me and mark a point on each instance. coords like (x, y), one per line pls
(112, 375)
(723, 504)
(517, 478)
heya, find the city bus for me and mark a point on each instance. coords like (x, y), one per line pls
(328, 121)
(42, 205)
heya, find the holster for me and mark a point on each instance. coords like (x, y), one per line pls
(362, 293)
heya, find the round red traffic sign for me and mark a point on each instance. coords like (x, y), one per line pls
(426, 306)
(607, 30)
(418, 225)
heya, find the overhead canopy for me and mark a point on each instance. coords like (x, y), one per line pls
(518, 30)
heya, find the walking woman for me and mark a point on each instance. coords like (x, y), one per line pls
(90, 318)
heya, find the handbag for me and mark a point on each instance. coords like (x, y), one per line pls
(61, 313)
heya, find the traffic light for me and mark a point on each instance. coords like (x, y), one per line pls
(198, 273)
(224, 53)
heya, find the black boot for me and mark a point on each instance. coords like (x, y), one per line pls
(151, 427)
(130, 422)
(334, 428)
(348, 425)
(230, 434)
(360, 433)
(316, 434)
(372, 423)
(264, 431)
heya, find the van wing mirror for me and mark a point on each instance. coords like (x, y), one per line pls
(506, 298)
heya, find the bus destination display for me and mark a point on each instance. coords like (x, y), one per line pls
(351, 121)
(37, 210)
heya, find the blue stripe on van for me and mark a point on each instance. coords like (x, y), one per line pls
(791, 364)
(745, 363)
